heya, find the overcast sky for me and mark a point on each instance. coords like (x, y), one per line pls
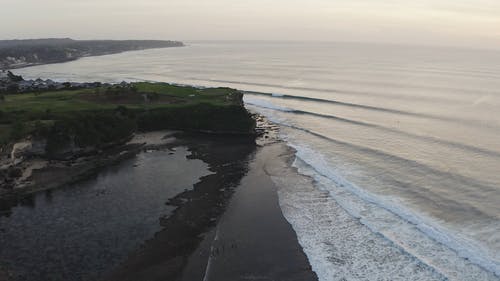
(430, 22)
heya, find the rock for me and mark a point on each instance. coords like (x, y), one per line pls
(18, 149)
(15, 172)
(8, 185)
(28, 148)
(68, 151)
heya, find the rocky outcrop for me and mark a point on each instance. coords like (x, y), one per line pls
(17, 165)
(28, 148)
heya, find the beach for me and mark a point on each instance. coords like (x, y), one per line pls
(230, 227)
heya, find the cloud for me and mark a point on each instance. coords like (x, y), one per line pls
(452, 22)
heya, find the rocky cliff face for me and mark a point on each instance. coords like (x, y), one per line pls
(16, 161)
(28, 148)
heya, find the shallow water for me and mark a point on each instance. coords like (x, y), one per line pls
(412, 132)
(82, 231)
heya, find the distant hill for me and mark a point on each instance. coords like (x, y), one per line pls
(22, 53)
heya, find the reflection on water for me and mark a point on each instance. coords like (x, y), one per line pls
(78, 232)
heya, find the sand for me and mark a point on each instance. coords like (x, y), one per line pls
(230, 227)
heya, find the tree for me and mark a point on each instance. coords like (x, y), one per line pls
(12, 88)
(17, 130)
(14, 78)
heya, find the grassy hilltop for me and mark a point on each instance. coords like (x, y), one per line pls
(102, 115)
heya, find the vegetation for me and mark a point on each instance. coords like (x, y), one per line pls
(103, 115)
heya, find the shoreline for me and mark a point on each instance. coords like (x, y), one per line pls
(217, 231)
(472, 267)
(253, 239)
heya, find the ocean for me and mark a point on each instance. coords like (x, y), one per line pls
(402, 144)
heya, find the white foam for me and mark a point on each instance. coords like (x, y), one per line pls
(409, 237)
(453, 256)
(338, 246)
(387, 206)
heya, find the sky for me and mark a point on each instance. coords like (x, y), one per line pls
(470, 23)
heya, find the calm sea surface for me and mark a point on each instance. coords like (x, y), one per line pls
(82, 231)
(404, 140)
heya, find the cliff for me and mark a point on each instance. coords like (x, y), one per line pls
(62, 128)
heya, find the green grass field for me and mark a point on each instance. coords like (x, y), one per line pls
(152, 105)
(70, 101)
(4, 133)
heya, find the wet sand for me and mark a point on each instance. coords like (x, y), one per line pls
(217, 235)
(252, 240)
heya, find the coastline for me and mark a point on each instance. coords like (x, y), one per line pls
(253, 240)
(229, 227)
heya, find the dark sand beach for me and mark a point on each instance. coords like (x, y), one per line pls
(252, 240)
(230, 227)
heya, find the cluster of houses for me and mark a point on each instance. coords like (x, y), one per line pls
(10, 83)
